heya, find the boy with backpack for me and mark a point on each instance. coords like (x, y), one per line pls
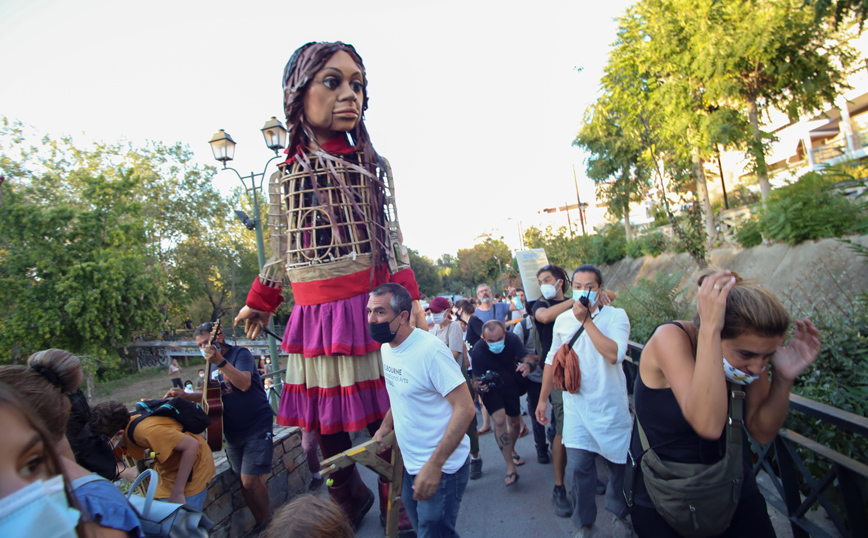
(183, 460)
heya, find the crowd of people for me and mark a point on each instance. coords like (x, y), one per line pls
(365, 350)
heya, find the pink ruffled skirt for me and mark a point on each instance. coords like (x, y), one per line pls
(334, 374)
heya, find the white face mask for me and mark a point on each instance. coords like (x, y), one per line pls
(734, 375)
(40, 509)
(438, 318)
(548, 290)
(429, 319)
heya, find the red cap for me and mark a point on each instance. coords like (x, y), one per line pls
(439, 304)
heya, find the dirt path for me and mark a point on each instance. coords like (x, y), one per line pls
(150, 387)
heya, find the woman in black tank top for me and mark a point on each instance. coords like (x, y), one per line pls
(681, 392)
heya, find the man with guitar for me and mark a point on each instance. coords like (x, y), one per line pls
(247, 417)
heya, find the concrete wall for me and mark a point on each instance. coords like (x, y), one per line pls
(289, 476)
(813, 272)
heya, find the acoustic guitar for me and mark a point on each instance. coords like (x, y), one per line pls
(212, 400)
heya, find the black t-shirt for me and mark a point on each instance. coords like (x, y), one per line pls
(474, 331)
(246, 414)
(504, 363)
(545, 330)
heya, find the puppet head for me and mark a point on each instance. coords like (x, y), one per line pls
(304, 64)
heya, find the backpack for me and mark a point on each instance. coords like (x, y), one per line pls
(189, 415)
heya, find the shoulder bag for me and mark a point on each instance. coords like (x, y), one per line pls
(695, 499)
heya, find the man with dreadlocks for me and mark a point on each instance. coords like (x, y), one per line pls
(334, 223)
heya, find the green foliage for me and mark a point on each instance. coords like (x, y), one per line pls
(608, 245)
(426, 274)
(650, 244)
(653, 301)
(748, 233)
(103, 240)
(691, 235)
(483, 264)
(808, 209)
(738, 196)
(76, 276)
(838, 377)
(561, 248)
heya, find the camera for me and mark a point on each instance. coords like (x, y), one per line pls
(491, 379)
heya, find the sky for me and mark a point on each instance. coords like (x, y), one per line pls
(474, 103)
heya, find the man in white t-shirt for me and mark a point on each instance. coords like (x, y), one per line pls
(450, 333)
(430, 411)
(596, 418)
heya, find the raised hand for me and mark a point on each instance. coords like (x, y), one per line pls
(711, 300)
(253, 320)
(792, 359)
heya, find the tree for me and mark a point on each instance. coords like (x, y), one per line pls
(761, 54)
(561, 248)
(479, 264)
(101, 223)
(77, 276)
(426, 273)
(615, 162)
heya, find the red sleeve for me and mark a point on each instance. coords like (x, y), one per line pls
(261, 297)
(407, 278)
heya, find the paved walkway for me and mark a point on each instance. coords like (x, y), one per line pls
(525, 510)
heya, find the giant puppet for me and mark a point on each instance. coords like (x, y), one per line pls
(334, 224)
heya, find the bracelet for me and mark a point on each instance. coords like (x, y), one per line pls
(222, 364)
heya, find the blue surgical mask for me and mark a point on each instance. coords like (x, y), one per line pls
(497, 347)
(40, 509)
(591, 295)
(202, 351)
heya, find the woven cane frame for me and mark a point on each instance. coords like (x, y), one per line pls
(320, 211)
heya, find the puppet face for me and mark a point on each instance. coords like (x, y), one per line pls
(333, 101)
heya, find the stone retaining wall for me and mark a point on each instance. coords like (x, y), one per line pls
(289, 476)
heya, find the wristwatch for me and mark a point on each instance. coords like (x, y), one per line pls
(222, 364)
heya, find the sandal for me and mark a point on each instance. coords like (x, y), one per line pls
(483, 431)
(514, 477)
(516, 459)
(523, 431)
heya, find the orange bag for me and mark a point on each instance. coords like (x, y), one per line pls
(566, 374)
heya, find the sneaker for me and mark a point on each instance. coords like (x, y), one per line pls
(621, 528)
(586, 532)
(542, 455)
(563, 507)
(475, 468)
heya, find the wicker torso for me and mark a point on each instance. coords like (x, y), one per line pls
(325, 213)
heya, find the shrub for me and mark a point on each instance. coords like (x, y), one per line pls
(634, 248)
(651, 302)
(808, 209)
(748, 233)
(650, 244)
(608, 245)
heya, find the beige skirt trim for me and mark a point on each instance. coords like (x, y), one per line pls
(333, 371)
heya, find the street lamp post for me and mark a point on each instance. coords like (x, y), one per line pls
(223, 148)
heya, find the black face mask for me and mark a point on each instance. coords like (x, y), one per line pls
(380, 332)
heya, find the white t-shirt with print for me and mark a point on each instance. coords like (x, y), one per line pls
(596, 418)
(419, 374)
